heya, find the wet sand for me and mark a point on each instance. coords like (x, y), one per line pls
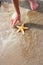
(18, 49)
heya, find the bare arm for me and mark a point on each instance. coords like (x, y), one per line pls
(16, 5)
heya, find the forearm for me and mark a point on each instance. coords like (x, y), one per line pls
(16, 5)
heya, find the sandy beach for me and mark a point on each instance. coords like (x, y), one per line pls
(18, 49)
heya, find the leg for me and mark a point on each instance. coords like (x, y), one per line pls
(16, 15)
(33, 4)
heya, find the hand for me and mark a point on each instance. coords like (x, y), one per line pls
(14, 19)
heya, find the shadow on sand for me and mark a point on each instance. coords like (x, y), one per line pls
(33, 25)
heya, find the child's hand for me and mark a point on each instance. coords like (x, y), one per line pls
(14, 19)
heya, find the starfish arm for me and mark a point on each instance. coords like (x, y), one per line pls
(22, 24)
(22, 31)
(18, 30)
(25, 27)
(17, 26)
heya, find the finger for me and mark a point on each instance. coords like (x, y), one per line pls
(11, 21)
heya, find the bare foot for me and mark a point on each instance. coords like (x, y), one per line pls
(14, 19)
(33, 4)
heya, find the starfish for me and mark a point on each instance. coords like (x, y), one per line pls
(21, 28)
